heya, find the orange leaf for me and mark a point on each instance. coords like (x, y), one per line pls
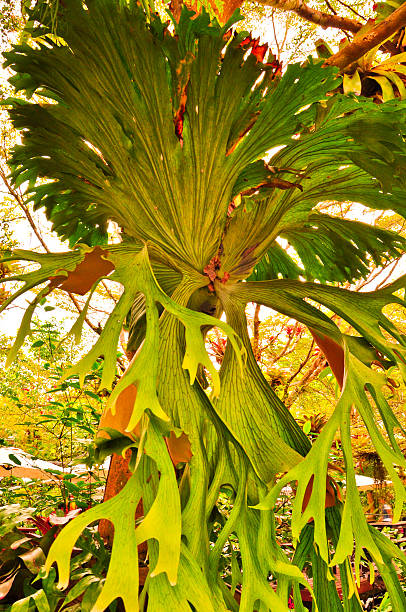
(334, 354)
(86, 273)
(178, 447)
(332, 493)
(124, 408)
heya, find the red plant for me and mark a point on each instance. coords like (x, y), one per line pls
(45, 523)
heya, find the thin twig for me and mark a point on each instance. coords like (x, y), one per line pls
(18, 198)
(301, 366)
(350, 8)
(332, 9)
(387, 277)
(274, 34)
(325, 20)
(360, 285)
(109, 293)
(318, 365)
(287, 25)
(285, 348)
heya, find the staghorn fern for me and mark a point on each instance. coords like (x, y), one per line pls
(166, 134)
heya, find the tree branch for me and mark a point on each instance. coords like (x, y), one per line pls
(17, 197)
(357, 48)
(255, 338)
(300, 368)
(299, 387)
(284, 351)
(325, 20)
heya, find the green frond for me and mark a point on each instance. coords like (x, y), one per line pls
(364, 312)
(145, 121)
(333, 249)
(126, 538)
(283, 193)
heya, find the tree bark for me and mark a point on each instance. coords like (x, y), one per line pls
(325, 20)
(357, 48)
(116, 479)
(255, 339)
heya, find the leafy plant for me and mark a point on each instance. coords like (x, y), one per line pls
(49, 418)
(23, 586)
(371, 75)
(204, 154)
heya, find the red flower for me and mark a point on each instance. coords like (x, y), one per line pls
(289, 330)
